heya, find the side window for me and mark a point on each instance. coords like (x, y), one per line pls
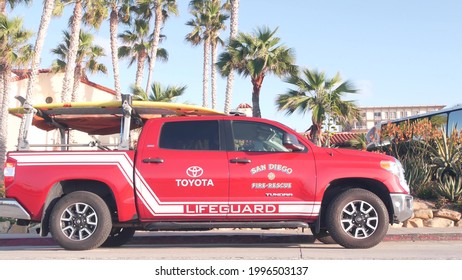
(190, 135)
(257, 137)
(439, 121)
(455, 121)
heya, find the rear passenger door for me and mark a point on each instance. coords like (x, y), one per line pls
(267, 180)
(186, 172)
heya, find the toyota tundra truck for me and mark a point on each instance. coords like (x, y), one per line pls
(194, 169)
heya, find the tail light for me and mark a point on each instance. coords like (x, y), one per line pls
(9, 171)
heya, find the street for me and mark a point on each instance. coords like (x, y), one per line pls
(403, 250)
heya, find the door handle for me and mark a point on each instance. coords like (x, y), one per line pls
(153, 160)
(240, 160)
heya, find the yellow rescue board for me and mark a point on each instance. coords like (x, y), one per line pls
(104, 117)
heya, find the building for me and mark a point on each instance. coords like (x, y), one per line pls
(245, 109)
(373, 115)
(48, 90)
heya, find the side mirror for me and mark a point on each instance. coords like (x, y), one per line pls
(291, 142)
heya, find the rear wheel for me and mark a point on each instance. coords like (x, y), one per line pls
(119, 237)
(357, 218)
(80, 221)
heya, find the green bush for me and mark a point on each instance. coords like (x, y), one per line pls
(446, 156)
(431, 160)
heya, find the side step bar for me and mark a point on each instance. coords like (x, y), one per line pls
(211, 225)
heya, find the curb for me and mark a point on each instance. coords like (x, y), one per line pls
(424, 237)
(227, 238)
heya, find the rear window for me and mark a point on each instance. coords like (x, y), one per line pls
(190, 135)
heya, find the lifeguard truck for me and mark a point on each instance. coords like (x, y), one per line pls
(193, 168)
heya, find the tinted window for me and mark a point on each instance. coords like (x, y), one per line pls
(455, 121)
(257, 137)
(191, 135)
(439, 121)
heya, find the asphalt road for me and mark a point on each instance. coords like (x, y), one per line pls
(429, 259)
(403, 250)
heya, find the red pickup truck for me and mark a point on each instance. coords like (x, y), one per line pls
(194, 172)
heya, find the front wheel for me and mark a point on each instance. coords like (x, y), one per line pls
(357, 218)
(80, 221)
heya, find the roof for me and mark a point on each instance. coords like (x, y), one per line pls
(339, 138)
(342, 137)
(244, 106)
(22, 74)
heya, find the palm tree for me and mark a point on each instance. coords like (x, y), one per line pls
(234, 23)
(45, 19)
(359, 142)
(320, 95)
(217, 23)
(15, 52)
(136, 46)
(86, 60)
(257, 55)
(207, 23)
(162, 9)
(95, 14)
(158, 93)
(12, 4)
(197, 36)
(48, 7)
(75, 24)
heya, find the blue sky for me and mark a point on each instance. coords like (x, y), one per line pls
(394, 52)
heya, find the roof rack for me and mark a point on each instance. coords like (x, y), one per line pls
(98, 117)
(30, 112)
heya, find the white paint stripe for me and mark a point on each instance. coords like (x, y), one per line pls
(146, 194)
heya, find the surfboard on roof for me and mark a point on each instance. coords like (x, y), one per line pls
(103, 118)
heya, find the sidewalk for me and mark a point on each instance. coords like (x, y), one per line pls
(243, 236)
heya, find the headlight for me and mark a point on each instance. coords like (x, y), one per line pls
(396, 168)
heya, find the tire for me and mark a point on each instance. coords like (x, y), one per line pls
(357, 218)
(80, 221)
(323, 236)
(119, 237)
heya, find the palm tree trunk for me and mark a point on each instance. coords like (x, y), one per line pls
(205, 78)
(48, 7)
(140, 69)
(5, 101)
(214, 74)
(75, 88)
(3, 7)
(73, 49)
(155, 41)
(113, 26)
(256, 82)
(233, 33)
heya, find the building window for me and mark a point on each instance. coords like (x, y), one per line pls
(377, 115)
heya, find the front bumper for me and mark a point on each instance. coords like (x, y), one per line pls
(10, 208)
(402, 207)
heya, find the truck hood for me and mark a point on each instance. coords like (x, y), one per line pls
(355, 154)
